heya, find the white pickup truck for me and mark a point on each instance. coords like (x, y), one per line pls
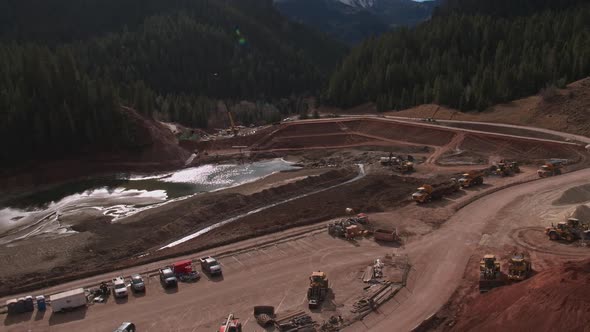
(119, 287)
(210, 265)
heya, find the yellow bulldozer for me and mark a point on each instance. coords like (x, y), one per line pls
(519, 267)
(318, 289)
(489, 273)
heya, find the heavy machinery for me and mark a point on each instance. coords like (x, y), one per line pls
(569, 230)
(471, 178)
(489, 273)
(350, 228)
(231, 324)
(551, 168)
(427, 193)
(506, 168)
(398, 163)
(318, 289)
(519, 267)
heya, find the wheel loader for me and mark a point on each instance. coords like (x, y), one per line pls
(570, 231)
(519, 267)
(318, 289)
(489, 273)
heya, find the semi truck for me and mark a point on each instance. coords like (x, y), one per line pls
(68, 300)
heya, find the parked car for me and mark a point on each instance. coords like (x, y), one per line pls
(137, 284)
(126, 327)
(119, 287)
(167, 277)
(210, 265)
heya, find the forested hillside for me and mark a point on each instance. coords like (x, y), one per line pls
(66, 66)
(466, 60)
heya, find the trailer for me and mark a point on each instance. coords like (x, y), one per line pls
(386, 235)
(68, 300)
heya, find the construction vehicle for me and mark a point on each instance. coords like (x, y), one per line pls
(427, 193)
(351, 227)
(551, 168)
(505, 168)
(183, 271)
(519, 267)
(489, 273)
(471, 178)
(318, 289)
(264, 315)
(398, 163)
(386, 235)
(231, 324)
(569, 231)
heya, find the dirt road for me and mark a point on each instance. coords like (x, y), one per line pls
(439, 259)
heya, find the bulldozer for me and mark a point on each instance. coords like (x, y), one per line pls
(489, 273)
(318, 289)
(550, 168)
(569, 230)
(519, 267)
(471, 179)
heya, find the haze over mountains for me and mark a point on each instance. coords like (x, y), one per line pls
(352, 21)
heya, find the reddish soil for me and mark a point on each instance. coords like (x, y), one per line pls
(556, 297)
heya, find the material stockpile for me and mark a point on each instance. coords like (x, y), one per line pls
(558, 296)
(295, 321)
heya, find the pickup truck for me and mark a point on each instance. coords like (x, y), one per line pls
(119, 287)
(210, 265)
(167, 277)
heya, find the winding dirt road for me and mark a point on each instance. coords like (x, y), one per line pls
(439, 258)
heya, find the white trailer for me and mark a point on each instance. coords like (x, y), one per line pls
(68, 300)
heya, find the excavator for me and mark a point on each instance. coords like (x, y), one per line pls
(550, 168)
(519, 267)
(489, 273)
(318, 289)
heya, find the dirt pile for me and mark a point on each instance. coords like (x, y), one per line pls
(575, 195)
(555, 299)
(582, 212)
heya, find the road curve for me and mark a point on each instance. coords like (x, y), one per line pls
(440, 257)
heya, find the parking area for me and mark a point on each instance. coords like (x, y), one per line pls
(274, 275)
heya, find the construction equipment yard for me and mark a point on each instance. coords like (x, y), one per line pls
(271, 235)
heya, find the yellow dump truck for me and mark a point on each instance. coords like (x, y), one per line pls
(471, 178)
(427, 193)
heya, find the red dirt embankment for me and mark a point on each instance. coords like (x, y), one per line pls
(556, 299)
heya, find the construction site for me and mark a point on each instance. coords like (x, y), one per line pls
(382, 223)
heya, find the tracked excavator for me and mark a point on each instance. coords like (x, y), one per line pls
(489, 273)
(318, 289)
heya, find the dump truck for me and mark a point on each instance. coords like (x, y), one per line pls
(210, 265)
(386, 235)
(471, 178)
(318, 289)
(519, 267)
(405, 167)
(569, 230)
(551, 168)
(68, 300)
(489, 273)
(427, 193)
(231, 324)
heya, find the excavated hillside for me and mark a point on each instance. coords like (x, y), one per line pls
(557, 299)
(556, 109)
